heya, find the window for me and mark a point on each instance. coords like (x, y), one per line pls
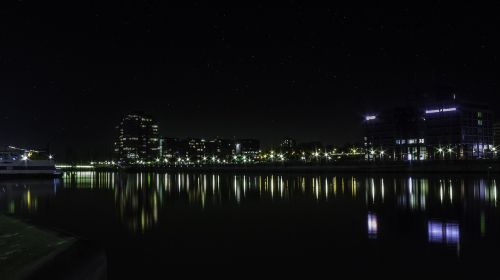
(421, 140)
(479, 115)
(480, 122)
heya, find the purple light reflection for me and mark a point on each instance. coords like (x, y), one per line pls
(439, 232)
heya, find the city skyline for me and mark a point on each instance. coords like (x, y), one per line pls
(230, 72)
(141, 139)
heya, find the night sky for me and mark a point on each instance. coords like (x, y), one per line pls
(70, 71)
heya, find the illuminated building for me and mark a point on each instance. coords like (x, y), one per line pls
(197, 148)
(220, 148)
(247, 147)
(395, 134)
(442, 129)
(172, 147)
(288, 144)
(137, 139)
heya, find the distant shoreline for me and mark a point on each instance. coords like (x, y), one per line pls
(463, 166)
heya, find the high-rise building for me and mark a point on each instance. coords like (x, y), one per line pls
(138, 139)
(443, 129)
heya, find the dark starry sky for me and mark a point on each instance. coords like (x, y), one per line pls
(69, 71)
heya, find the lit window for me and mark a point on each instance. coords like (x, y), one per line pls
(480, 122)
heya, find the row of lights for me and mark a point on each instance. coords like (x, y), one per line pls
(26, 157)
(272, 156)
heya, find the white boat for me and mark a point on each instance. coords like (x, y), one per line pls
(21, 164)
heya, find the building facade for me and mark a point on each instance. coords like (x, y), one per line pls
(288, 144)
(137, 139)
(197, 149)
(247, 147)
(448, 129)
(496, 133)
(171, 147)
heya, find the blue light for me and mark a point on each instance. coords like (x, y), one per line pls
(440, 110)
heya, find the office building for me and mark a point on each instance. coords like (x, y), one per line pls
(442, 129)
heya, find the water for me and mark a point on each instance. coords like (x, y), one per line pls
(149, 223)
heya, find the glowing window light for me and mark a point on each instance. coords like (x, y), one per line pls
(369, 118)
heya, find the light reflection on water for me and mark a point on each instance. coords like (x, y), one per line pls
(141, 198)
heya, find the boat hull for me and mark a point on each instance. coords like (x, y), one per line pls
(30, 174)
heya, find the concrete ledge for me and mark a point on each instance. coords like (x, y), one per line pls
(83, 260)
(28, 252)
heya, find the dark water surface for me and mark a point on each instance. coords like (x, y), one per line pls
(165, 223)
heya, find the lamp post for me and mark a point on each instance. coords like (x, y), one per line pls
(441, 151)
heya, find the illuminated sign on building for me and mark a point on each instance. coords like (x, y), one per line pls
(369, 118)
(440, 110)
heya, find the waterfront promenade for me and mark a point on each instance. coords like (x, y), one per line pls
(458, 166)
